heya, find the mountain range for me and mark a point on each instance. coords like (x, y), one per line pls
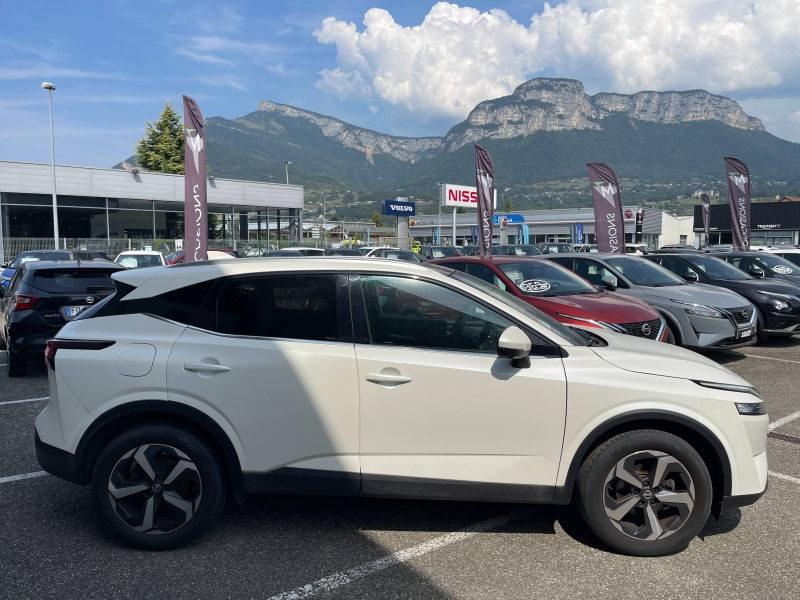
(661, 144)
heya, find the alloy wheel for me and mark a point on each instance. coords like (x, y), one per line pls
(155, 488)
(648, 495)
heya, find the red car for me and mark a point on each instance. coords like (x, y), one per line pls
(179, 256)
(563, 295)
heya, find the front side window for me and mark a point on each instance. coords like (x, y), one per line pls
(301, 307)
(591, 270)
(544, 278)
(644, 272)
(419, 314)
(485, 273)
(714, 268)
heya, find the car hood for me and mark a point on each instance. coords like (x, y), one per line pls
(775, 286)
(653, 358)
(698, 293)
(603, 306)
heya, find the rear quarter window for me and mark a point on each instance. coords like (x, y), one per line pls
(179, 305)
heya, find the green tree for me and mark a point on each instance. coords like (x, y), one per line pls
(509, 206)
(377, 219)
(161, 150)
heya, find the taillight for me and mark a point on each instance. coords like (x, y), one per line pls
(54, 345)
(24, 301)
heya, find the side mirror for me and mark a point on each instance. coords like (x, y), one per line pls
(690, 277)
(757, 272)
(514, 344)
(609, 281)
(4, 265)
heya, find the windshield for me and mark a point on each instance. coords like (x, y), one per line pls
(540, 278)
(527, 250)
(24, 257)
(777, 264)
(401, 255)
(73, 281)
(445, 252)
(174, 255)
(792, 257)
(136, 261)
(643, 272)
(715, 268)
(520, 305)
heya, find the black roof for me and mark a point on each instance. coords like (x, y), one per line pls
(83, 264)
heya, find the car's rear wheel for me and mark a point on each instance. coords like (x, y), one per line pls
(645, 492)
(16, 366)
(158, 487)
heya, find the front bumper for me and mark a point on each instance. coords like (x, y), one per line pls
(731, 502)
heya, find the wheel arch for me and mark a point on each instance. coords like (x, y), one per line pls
(703, 440)
(123, 417)
(673, 323)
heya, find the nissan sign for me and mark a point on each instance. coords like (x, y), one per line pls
(398, 207)
(462, 195)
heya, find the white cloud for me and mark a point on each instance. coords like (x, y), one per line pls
(795, 117)
(459, 56)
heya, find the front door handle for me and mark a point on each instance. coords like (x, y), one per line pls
(386, 378)
(208, 367)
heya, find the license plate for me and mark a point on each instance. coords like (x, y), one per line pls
(74, 311)
(745, 333)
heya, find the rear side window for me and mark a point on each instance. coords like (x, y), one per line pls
(178, 305)
(72, 281)
(302, 307)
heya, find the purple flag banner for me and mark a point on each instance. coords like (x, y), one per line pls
(738, 177)
(484, 180)
(609, 223)
(706, 217)
(195, 209)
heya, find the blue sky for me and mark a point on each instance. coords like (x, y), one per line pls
(115, 63)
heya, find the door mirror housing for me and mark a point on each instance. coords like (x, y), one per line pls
(610, 281)
(692, 277)
(757, 272)
(516, 345)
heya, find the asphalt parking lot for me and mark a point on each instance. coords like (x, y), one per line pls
(51, 543)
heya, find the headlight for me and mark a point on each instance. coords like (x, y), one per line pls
(700, 310)
(780, 305)
(751, 408)
(730, 387)
(784, 297)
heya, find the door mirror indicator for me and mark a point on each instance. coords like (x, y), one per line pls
(516, 345)
(690, 277)
(609, 281)
(757, 272)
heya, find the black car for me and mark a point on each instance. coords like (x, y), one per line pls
(777, 302)
(431, 252)
(497, 250)
(526, 250)
(41, 298)
(764, 265)
(294, 253)
(342, 252)
(554, 248)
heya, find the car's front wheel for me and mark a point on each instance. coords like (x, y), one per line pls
(158, 487)
(645, 492)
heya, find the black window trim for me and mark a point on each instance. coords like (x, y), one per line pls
(361, 326)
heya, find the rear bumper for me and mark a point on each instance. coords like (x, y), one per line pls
(58, 462)
(30, 342)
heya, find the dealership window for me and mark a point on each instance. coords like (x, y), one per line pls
(301, 307)
(419, 314)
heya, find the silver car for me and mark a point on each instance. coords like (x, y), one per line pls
(698, 316)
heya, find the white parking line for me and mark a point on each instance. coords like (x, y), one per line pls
(797, 362)
(784, 420)
(343, 578)
(784, 477)
(11, 478)
(26, 400)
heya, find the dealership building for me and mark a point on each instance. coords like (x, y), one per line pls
(535, 226)
(108, 209)
(773, 223)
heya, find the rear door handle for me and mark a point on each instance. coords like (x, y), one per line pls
(384, 378)
(196, 367)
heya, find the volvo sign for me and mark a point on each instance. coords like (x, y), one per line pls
(398, 207)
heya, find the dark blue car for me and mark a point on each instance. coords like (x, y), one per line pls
(30, 256)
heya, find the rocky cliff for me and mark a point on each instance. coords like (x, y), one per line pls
(546, 104)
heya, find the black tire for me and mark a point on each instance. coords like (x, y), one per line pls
(670, 336)
(15, 365)
(200, 488)
(602, 493)
(762, 337)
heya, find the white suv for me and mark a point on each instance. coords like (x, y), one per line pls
(381, 378)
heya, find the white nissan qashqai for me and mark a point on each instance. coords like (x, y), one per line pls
(385, 379)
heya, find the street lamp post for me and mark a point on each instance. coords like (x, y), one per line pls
(50, 88)
(286, 164)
